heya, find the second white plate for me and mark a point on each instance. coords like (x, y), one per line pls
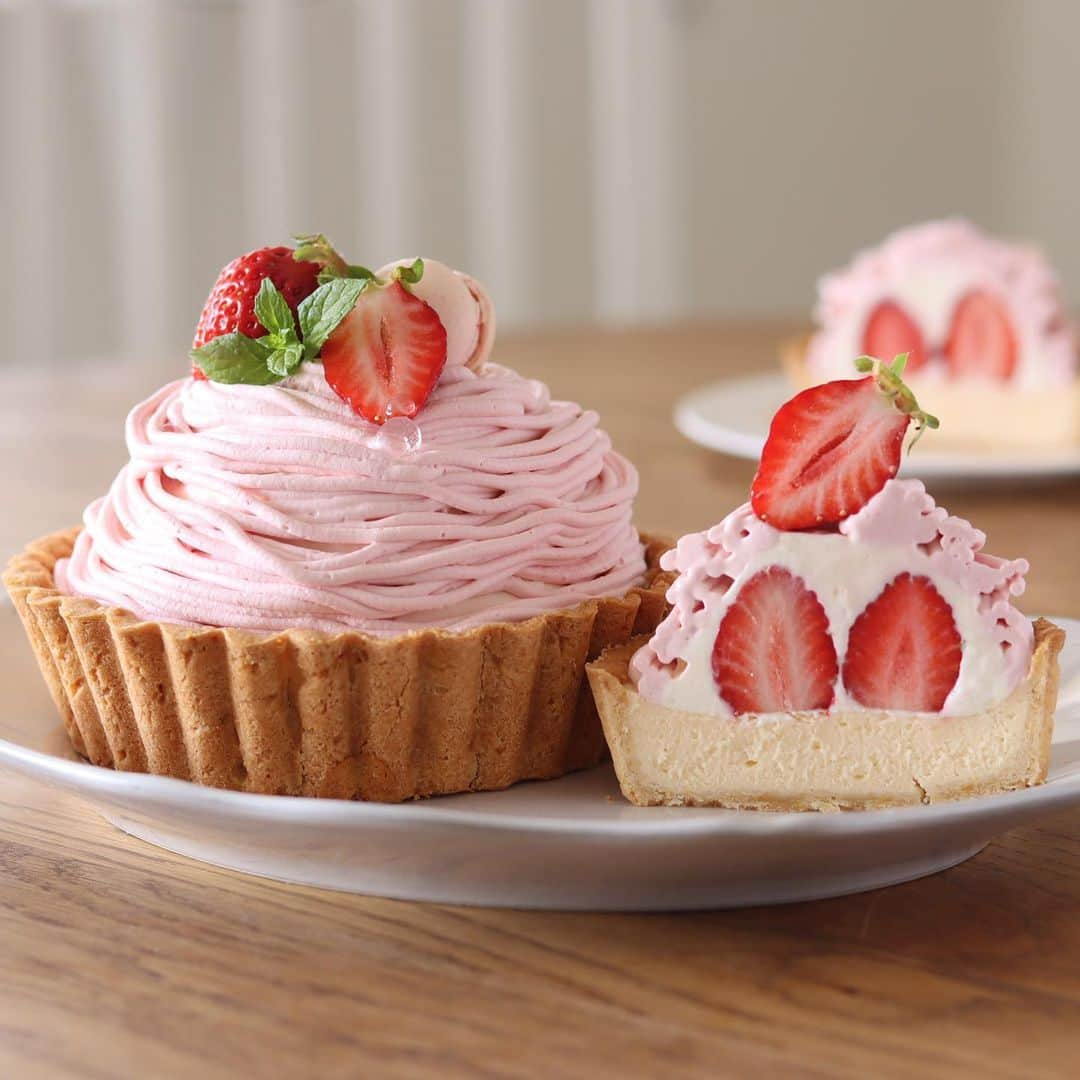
(733, 416)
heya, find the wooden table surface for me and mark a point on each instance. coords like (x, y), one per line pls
(117, 959)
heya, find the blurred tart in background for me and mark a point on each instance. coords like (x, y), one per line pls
(982, 322)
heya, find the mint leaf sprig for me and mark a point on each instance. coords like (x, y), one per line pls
(282, 342)
(321, 312)
(236, 358)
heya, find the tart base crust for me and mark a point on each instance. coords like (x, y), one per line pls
(344, 715)
(849, 760)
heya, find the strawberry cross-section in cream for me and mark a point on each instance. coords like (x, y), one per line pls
(272, 507)
(900, 530)
(928, 269)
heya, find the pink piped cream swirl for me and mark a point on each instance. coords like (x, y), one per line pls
(275, 507)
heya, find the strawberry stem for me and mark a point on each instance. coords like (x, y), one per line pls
(411, 274)
(316, 248)
(889, 379)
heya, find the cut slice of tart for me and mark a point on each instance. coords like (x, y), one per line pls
(841, 759)
(838, 642)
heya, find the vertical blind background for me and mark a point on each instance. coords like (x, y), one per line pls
(591, 160)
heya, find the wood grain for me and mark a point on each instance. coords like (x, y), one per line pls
(121, 960)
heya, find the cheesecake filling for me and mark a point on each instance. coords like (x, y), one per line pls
(900, 530)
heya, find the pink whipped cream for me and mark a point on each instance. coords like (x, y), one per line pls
(901, 530)
(928, 269)
(271, 507)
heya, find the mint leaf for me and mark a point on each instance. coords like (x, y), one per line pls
(353, 270)
(272, 309)
(283, 348)
(294, 356)
(235, 358)
(276, 365)
(280, 339)
(286, 360)
(410, 275)
(321, 312)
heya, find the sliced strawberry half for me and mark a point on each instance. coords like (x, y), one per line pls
(904, 649)
(981, 340)
(387, 354)
(832, 448)
(773, 651)
(890, 330)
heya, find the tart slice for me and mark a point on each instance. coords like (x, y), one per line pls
(838, 642)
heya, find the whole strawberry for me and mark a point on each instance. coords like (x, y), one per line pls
(230, 307)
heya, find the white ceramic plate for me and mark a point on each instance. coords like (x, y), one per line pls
(733, 416)
(571, 843)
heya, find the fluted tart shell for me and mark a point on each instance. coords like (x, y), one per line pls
(339, 715)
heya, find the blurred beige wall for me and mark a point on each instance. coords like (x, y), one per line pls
(612, 160)
(818, 126)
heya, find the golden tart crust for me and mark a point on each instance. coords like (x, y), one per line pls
(343, 715)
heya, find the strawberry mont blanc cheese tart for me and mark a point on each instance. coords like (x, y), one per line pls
(982, 322)
(838, 642)
(350, 556)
